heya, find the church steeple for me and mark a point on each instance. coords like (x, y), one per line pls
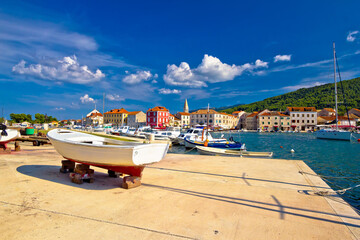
(186, 106)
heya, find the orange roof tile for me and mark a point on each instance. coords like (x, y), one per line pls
(158, 108)
(184, 113)
(121, 110)
(205, 111)
(329, 109)
(96, 114)
(253, 114)
(133, 113)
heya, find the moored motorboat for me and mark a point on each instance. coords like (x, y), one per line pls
(215, 143)
(233, 153)
(119, 156)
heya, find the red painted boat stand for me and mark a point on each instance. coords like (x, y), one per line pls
(131, 181)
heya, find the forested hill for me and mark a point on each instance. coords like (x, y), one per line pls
(318, 97)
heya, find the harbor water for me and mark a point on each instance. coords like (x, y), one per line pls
(339, 161)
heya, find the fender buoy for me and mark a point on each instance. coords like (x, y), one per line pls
(292, 150)
(359, 140)
(281, 147)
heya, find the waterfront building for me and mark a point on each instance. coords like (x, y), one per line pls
(184, 119)
(326, 112)
(199, 117)
(228, 121)
(302, 118)
(94, 119)
(157, 117)
(136, 119)
(252, 121)
(241, 118)
(116, 117)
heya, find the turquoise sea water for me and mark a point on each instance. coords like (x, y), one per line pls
(326, 157)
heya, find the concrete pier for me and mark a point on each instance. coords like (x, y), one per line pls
(182, 197)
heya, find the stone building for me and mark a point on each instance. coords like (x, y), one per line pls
(302, 118)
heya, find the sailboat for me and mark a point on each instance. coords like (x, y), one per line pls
(334, 134)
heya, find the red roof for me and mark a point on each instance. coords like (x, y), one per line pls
(329, 109)
(96, 114)
(157, 108)
(133, 113)
(184, 113)
(253, 114)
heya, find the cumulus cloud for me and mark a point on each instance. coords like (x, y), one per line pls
(87, 99)
(169, 91)
(60, 109)
(138, 77)
(282, 58)
(114, 97)
(66, 70)
(351, 36)
(210, 70)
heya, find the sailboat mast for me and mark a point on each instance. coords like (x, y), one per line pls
(336, 103)
(207, 122)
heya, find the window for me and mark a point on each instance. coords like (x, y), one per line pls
(275, 117)
(269, 123)
(308, 121)
(302, 121)
(308, 115)
(288, 123)
(303, 115)
(297, 121)
(298, 115)
(312, 121)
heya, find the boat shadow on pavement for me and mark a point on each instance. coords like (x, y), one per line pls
(51, 173)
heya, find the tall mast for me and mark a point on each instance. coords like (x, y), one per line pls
(336, 103)
(207, 121)
(103, 104)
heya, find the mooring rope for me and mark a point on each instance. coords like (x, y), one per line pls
(340, 191)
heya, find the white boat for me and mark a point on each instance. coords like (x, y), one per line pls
(131, 132)
(119, 156)
(7, 135)
(334, 134)
(192, 132)
(233, 153)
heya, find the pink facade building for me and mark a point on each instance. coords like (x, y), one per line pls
(157, 117)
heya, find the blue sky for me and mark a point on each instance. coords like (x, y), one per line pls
(60, 57)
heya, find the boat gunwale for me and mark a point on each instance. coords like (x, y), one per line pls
(136, 145)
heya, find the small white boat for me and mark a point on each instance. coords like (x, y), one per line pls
(233, 153)
(7, 135)
(119, 156)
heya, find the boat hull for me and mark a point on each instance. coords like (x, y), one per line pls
(333, 135)
(193, 144)
(231, 153)
(12, 134)
(128, 158)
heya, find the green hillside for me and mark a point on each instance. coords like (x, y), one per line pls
(319, 97)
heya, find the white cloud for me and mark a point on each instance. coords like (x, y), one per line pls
(87, 99)
(114, 97)
(66, 70)
(169, 91)
(210, 70)
(282, 58)
(60, 109)
(351, 36)
(306, 85)
(138, 77)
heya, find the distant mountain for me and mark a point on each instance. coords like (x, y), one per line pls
(319, 97)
